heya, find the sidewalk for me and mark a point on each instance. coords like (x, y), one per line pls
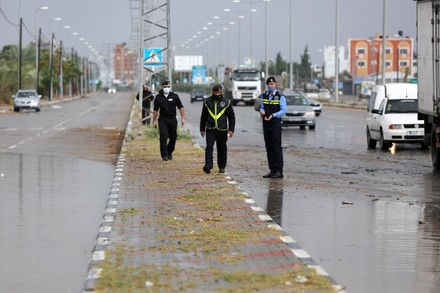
(170, 227)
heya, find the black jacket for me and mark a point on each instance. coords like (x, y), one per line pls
(147, 97)
(166, 105)
(217, 113)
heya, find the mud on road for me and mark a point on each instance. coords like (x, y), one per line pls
(374, 174)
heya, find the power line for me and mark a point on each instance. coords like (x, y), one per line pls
(10, 22)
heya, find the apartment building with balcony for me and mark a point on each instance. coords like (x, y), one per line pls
(124, 63)
(365, 57)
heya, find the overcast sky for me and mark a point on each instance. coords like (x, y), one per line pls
(103, 22)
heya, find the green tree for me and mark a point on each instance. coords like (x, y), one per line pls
(305, 65)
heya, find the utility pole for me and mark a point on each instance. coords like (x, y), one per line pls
(38, 60)
(60, 79)
(384, 42)
(20, 53)
(336, 56)
(51, 67)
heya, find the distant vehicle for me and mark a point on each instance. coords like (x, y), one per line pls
(366, 88)
(198, 94)
(316, 106)
(111, 90)
(392, 116)
(26, 99)
(324, 94)
(242, 84)
(299, 113)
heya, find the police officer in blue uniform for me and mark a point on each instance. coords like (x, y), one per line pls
(165, 105)
(217, 122)
(273, 107)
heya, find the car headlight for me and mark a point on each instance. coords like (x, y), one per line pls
(309, 114)
(395, 126)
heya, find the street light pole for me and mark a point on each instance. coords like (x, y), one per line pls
(336, 56)
(291, 49)
(37, 37)
(383, 42)
(265, 38)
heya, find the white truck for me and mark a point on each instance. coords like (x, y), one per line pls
(428, 51)
(242, 84)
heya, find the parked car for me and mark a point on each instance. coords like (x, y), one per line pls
(111, 90)
(298, 113)
(198, 94)
(392, 116)
(324, 94)
(316, 106)
(26, 99)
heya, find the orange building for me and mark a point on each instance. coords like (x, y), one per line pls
(366, 58)
(124, 62)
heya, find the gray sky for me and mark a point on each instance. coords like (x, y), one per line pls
(103, 22)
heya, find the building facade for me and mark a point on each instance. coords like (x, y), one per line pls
(365, 57)
(124, 63)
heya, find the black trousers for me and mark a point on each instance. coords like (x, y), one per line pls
(168, 135)
(219, 137)
(145, 113)
(273, 141)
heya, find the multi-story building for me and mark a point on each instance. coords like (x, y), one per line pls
(124, 62)
(365, 57)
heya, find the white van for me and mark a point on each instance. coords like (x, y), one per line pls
(392, 116)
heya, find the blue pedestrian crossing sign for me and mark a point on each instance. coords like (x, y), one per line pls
(153, 57)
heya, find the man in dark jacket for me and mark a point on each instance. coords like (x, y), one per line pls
(165, 105)
(147, 97)
(217, 122)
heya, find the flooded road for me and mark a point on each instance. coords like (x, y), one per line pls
(48, 207)
(56, 170)
(368, 217)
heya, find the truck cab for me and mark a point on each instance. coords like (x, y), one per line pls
(242, 84)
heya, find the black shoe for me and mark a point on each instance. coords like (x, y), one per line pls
(170, 157)
(277, 175)
(164, 159)
(221, 170)
(207, 170)
(268, 175)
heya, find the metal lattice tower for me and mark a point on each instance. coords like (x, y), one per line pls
(155, 37)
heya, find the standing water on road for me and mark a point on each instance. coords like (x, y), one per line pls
(49, 213)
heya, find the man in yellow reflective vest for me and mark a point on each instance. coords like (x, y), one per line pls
(217, 123)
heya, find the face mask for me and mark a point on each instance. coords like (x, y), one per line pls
(166, 90)
(271, 88)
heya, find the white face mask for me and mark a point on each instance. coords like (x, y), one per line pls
(166, 90)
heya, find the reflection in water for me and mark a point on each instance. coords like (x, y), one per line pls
(428, 260)
(49, 213)
(275, 200)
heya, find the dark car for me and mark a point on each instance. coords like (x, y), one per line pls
(198, 95)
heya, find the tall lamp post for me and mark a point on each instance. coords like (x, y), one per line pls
(37, 39)
(400, 34)
(51, 56)
(383, 42)
(336, 56)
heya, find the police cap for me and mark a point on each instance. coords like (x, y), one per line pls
(270, 79)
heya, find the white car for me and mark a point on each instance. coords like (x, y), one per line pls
(392, 116)
(324, 94)
(111, 90)
(26, 99)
